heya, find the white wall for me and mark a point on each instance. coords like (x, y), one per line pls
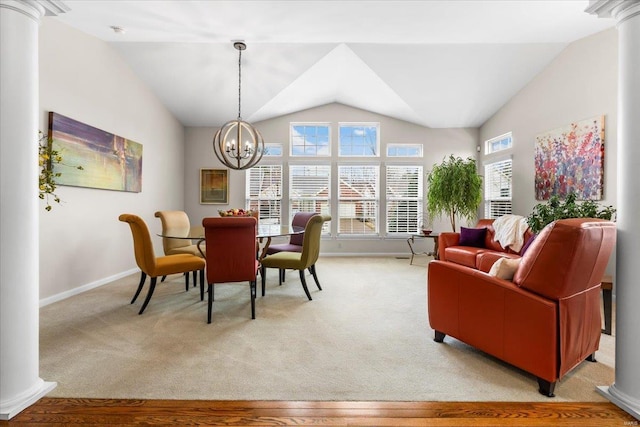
(82, 243)
(581, 82)
(438, 143)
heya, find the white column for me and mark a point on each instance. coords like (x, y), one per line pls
(20, 384)
(625, 392)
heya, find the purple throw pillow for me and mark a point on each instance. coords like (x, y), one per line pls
(472, 237)
(527, 244)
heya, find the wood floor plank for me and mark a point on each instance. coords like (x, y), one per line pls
(135, 412)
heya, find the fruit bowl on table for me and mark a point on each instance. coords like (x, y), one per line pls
(426, 232)
(235, 212)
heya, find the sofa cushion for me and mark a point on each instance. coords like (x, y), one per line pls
(505, 268)
(463, 255)
(527, 244)
(485, 260)
(472, 237)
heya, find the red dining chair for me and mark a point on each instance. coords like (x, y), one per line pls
(231, 254)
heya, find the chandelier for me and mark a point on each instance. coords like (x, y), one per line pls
(237, 144)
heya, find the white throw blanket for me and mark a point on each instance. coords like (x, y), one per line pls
(509, 231)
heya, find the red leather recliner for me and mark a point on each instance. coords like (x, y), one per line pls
(547, 321)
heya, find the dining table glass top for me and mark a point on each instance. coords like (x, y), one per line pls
(264, 231)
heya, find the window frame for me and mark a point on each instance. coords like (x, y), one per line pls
(417, 199)
(342, 125)
(369, 206)
(309, 124)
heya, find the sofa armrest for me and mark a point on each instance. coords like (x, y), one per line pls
(446, 240)
(495, 316)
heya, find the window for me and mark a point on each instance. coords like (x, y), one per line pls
(497, 188)
(310, 189)
(404, 198)
(272, 149)
(264, 192)
(310, 139)
(359, 140)
(499, 143)
(358, 199)
(404, 150)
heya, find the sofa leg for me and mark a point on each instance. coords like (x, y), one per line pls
(546, 388)
(439, 336)
(592, 357)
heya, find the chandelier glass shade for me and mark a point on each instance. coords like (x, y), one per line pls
(237, 144)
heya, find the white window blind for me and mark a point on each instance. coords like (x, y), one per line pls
(310, 190)
(497, 190)
(358, 199)
(404, 198)
(264, 192)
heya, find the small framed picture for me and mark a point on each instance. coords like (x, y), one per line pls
(214, 186)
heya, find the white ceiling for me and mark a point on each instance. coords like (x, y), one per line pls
(434, 63)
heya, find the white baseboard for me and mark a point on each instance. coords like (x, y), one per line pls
(85, 288)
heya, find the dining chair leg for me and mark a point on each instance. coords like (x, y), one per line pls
(202, 285)
(186, 281)
(143, 278)
(252, 289)
(304, 284)
(283, 272)
(195, 277)
(210, 303)
(280, 270)
(149, 294)
(163, 277)
(312, 269)
(263, 273)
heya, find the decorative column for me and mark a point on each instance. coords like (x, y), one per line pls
(20, 384)
(625, 392)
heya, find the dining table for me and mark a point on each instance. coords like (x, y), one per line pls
(264, 234)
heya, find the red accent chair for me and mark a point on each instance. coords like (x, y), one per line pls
(547, 321)
(231, 255)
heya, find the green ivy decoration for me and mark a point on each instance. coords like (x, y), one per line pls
(454, 189)
(47, 159)
(554, 209)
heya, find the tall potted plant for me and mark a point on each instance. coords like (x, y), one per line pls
(454, 189)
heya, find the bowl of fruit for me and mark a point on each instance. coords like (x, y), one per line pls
(235, 212)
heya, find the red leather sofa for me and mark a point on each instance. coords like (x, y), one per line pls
(547, 320)
(479, 258)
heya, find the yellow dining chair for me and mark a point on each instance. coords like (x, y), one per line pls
(153, 266)
(299, 260)
(231, 254)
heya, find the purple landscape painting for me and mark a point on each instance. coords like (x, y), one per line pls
(571, 159)
(110, 162)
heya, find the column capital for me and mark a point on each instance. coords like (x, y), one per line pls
(36, 9)
(620, 10)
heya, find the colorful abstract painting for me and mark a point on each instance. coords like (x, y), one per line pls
(571, 159)
(109, 162)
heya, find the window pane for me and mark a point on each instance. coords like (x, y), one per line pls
(358, 140)
(404, 198)
(498, 188)
(503, 142)
(358, 199)
(404, 150)
(310, 190)
(264, 192)
(310, 140)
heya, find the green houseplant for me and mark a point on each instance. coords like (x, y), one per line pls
(454, 189)
(554, 209)
(47, 159)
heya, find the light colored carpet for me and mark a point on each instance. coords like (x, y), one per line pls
(366, 336)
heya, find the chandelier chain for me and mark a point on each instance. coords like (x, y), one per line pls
(239, 82)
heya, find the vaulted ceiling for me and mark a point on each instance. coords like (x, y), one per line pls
(434, 63)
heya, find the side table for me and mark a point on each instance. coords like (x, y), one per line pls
(411, 240)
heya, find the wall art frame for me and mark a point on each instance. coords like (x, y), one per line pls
(109, 162)
(570, 159)
(214, 186)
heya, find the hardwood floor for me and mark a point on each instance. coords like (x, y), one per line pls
(111, 412)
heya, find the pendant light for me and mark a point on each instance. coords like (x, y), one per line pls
(237, 144)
